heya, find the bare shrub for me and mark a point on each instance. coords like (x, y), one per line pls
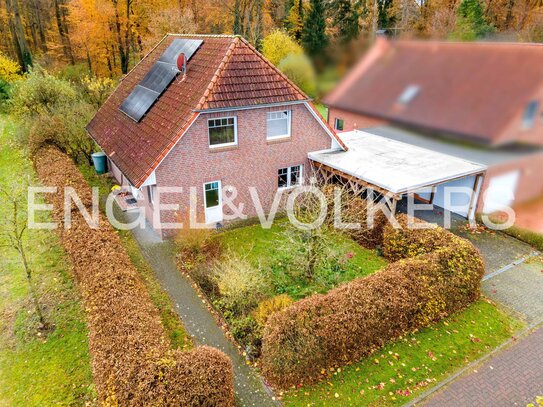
(241, 286)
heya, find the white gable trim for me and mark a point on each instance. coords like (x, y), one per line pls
(230, 109)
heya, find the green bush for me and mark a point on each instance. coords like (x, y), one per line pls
(299, 69)
(65, 129)
(437, 274)
(52, 113)
(4, 93)
(41, 93)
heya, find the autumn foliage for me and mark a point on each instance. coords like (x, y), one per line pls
(435, 273)
(132, 360)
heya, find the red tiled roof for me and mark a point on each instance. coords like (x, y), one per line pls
(226, 72)
(473, 90)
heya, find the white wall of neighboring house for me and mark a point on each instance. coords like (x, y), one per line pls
(501, 191)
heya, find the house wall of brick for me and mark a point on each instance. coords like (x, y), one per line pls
(352, 121)
(254, 162)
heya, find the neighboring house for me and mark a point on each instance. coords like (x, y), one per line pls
(207, 112)
(477, 101)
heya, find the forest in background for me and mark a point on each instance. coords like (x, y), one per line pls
(107, 37)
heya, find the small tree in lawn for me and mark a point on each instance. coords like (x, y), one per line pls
(14, 229)
(308, 248)
(470, 22)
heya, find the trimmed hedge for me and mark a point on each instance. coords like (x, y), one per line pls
(436, 273)
(133, 363)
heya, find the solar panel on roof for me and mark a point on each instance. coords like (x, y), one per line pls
(139, 102)
(159, 77)
(178, 46)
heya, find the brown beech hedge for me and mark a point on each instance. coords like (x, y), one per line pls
(434, 274)
(132, 361)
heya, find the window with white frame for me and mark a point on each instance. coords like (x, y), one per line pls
(289, 177)
(150, 194)
(278, 124)
(222, 132)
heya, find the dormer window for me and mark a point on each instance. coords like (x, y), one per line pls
(530, 114)
(409, 94)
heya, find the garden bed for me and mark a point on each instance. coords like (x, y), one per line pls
(250, 272)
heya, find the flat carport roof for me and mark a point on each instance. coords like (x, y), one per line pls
(392, 165)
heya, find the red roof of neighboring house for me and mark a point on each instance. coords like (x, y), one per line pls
(474, 90)
(225, 72)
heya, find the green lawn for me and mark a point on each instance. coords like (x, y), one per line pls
(37, 370)
(411, 365)
(172, 324)
(323, 110)
(263, 248)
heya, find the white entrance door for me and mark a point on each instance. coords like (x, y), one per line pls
(213, 202)
(500, 193)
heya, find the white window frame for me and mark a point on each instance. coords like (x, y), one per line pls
(235, 143)
(219, 206)
(336, 124)
(289, 172)
(289, 122)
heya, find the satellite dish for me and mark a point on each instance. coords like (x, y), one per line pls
(182, 63)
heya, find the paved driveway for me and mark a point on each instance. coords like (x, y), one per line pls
(513, 273)
(514, 377)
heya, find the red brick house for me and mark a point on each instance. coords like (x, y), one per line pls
(207, 113)
(477, 101)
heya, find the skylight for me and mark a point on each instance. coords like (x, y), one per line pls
(409, 94)
(529, 114)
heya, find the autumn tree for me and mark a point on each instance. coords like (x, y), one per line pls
(20, 43)
(345, 17)
(277, 45)
(294, 21)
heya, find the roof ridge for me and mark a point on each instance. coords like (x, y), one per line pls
(216, 75)
(203, 35)
(469, 44)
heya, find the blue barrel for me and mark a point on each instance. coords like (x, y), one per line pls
(100, 162)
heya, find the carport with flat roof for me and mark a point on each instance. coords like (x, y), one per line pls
(393, 168)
